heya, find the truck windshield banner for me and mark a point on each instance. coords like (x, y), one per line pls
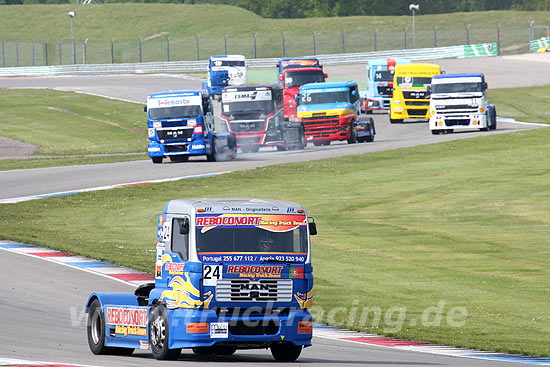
(270, 222)
(174, 101)
(246, 96)
(289, 63)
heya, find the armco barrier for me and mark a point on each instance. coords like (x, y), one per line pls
(536, 45)
(200, 66)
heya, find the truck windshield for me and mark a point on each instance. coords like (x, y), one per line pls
(413, 81)
(250, 106)
(238, 63)
(324, 97)
(298, 78)
(383, 76)
(458, 88)
(178, 112)
(242, 240)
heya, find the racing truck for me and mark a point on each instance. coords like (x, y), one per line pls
(379, 84)
(458, 102)
(230, 274)
(293, 73)
(181, 124)
(223, 71)
(254, 113)
(411, 98)
(332, 111)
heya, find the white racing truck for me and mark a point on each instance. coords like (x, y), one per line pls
(459, 102)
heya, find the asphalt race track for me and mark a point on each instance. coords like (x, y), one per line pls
(41, 303)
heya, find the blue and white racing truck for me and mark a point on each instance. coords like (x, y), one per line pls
(181, 124)
(224, 71)
(459, 102)
(230, 274)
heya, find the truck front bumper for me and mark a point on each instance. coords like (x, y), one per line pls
(203, 328)
(454, 122)
(180, 147)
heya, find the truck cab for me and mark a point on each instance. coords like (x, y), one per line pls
(411, 98)
(181, 124)
(230, 274)
(379, 92)
(459, 102)
(254, 113)
(293, 73)
(332, 111)
(223, 71)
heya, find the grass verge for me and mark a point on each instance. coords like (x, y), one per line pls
(460, 224)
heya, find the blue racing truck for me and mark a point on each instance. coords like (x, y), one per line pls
(224, 71)
(380, 84)
(181, 124)
(230, 274)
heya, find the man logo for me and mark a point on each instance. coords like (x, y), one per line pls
(253, 286)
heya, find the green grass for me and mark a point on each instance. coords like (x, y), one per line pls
(64, 124)
(154, 23)
(523, 104)
(465, 223)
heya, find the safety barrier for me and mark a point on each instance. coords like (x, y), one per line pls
(200, 66)
(540, 45)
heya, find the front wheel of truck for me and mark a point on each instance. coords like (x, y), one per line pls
(159, 334)
(96, 332)
(286, 352)
(352, 133)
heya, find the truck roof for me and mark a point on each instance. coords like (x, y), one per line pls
(234, 57)
(349, 83)
(463, 75)
(418, 66)
(252, 86)
(232, 205)
(172, 93)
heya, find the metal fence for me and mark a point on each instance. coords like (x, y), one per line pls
(16, 53)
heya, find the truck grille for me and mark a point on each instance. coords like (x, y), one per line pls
(457, 122)
(421, 94)
(175, 133)
(321, 117)
(247, 126)
(239, 327)
(456, 109)
(419, 112)
(385, 91)
(263, 290)
(417, 103)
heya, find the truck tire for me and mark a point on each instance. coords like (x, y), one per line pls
(493, 110)
(370, 137)
(156, 160)
(214, 155)
(352, 133)
(302, 139)
(286, 352)
(96, 332)
(159, 334)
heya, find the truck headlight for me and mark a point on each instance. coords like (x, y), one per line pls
(396, 101)
(481, 109)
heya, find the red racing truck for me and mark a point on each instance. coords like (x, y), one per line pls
(293, 73)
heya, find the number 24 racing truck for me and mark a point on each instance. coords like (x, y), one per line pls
(230, 274)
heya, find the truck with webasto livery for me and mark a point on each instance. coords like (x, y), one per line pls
(223, 71)
(411, 97)
(180, 124)
(230, 274)
(380, 84)
(293, 73)
(332, 112)
(254, 113)
(459, 102)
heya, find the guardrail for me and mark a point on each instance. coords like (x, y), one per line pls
(540, 45)
(200, 66)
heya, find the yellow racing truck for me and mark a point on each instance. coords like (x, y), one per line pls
(411, 98)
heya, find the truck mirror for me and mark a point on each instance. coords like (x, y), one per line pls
(184, 226)
(429, 88)
(280, 77)
(354, 93)
(297, 97)
(485, 86)
(325, 75)
(144, 108)
(312, 226)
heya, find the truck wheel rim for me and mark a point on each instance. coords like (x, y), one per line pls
(95, 327)
(158, 332)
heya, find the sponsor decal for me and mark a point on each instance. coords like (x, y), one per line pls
(174, 268)
(270, 222)
(143, 344)
(157, 125)
(121, 316)
(246, 96)
(130, 330)
(296, 272)
(154, 149)
(198, 146)
(182, 293)
(252, 257)
(305, 327)
(197, 327)
(219, 330)
(299, 62)
(255, 271)
(305, 300)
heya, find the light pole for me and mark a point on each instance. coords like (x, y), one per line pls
(413, 8)
(72, 14)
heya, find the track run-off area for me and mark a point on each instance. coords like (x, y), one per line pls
(41, 308)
